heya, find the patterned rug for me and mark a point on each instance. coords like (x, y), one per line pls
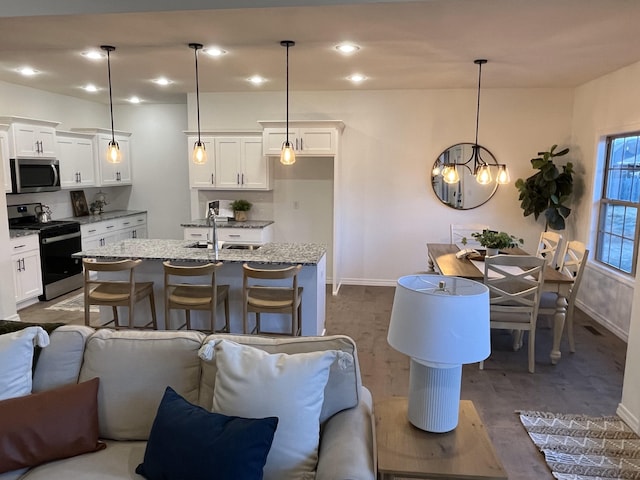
(578, 447)
(73, 304)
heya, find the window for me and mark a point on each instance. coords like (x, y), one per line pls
(617, 243)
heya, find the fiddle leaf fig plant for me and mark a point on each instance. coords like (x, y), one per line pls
(548, 190)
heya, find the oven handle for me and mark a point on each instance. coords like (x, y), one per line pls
(59, 238)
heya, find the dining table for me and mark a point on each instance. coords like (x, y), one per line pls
(442, 259)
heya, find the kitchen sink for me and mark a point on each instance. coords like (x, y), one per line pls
(226, 246)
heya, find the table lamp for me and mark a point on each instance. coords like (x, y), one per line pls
(441, 323)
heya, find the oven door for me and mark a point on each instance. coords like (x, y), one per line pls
(55, 253)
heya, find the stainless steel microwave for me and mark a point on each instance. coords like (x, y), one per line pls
(31, 175)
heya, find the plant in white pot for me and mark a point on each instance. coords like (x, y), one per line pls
(493, 241)
(240, 209)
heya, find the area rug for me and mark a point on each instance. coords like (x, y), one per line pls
(578, 447)
(73, 304)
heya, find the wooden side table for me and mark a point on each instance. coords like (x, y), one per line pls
(405, 451)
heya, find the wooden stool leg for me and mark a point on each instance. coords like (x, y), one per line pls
(227, 326)
(188, 314)
(154, 319)
(116, 321)
(258, 322)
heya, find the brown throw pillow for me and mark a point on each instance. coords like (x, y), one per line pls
(50, 425)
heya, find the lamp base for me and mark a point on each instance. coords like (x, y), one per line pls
(434, 396)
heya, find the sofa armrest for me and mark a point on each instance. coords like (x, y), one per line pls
(347, 443)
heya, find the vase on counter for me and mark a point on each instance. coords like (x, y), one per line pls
(240, 216)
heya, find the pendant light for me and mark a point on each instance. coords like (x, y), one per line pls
(288, 154)
(113, 149)
(199, 150)
(475, 164)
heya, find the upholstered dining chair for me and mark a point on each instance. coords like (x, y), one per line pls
(515, 286)
(124, 292)
(188, 296)
(460, 231)
(271, 291)
(548, 247)
(571, 262)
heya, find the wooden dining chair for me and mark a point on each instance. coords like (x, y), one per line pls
(125, 292)
(515, 286)
(264, 291)
(572, 261)
(179, 295)
(548, 247)
(460, 231)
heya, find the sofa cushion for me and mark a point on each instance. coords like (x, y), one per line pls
(117, 461)
(46, 426)
(344, 383)
(16, 360)
(59, 364)
(188, 442)
(253, 383)
(134, 368)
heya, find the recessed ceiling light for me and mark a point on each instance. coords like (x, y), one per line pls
(90, 88)
(257, 80)
(27, 71)
(162, 81)
(347, 48)
(356, 78)
(93, 54)
(134, 99)
(214, 51)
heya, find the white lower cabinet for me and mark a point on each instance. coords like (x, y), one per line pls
(27, 273)
(107, 232)
(232, 236)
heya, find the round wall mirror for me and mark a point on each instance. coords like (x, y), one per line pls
(467, 193)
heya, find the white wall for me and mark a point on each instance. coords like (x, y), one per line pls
(389, 144)
(159, 165)
(608, 105)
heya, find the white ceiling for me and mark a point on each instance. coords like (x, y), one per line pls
(404, 45)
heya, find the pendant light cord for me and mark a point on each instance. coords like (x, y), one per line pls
(476, 154)
(109, 49)
(478, 104)
(196, 47)
(287, 94)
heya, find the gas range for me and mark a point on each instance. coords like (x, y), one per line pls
(59, 239)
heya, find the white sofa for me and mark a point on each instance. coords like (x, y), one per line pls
(135, 367)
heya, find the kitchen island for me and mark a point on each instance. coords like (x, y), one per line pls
(312, 277)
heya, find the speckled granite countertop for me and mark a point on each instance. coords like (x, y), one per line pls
(87, 219)
(14, 233)
(229, 224)
(151, 249)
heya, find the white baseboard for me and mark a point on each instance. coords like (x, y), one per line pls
(368, 282)
(617, 331)
(628, 418)
(15, 318)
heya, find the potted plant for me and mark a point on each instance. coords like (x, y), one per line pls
(240, 209)
(548, 190)
(493, 241)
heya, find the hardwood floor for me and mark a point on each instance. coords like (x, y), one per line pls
(586, 382)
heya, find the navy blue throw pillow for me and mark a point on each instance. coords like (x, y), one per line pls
(188, 442)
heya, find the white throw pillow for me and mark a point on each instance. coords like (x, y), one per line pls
(16, 360)
(255, 384)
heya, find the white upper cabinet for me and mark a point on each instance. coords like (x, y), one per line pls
(110, 174)
(240, 164)
(309, 138)
(77, 161)
(202, 176)
(234, 162)
(31, 138)
(4, 156)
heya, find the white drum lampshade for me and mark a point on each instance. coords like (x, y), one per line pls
(441, 323)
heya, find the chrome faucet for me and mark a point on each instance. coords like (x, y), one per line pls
(213, 238)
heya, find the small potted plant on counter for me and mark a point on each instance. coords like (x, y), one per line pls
(493, 241)
(240, 209)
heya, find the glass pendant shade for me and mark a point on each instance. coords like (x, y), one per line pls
(436, 170)
(288, 154)
(503, 175)
(199, 153)
(114, 155)
(483, 175)
(450, 174)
